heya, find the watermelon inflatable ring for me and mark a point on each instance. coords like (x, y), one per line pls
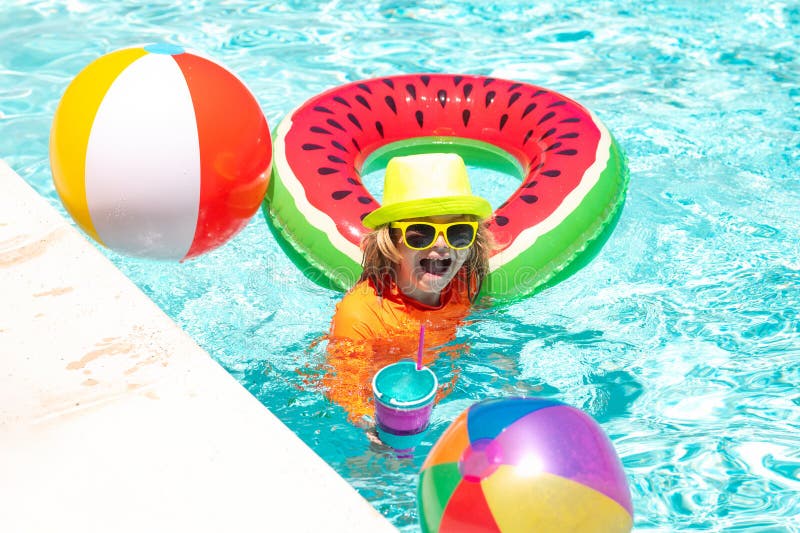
(573, 174)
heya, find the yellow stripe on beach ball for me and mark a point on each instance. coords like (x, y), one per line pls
(550, 504)
(72, 124)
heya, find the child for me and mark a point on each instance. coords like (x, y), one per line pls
(424, 263)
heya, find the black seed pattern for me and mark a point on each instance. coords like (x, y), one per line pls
(363, 101)
(442, 98)
(390, 102)
(528, 109)
(352, 118)
(545, 118)
(335, 124)
(527, 136)
(362, 216)
(552, 146)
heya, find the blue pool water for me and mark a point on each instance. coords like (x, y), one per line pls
(682, 338)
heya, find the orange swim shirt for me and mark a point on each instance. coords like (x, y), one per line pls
(369, 332)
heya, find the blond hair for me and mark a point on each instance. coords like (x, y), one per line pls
(381, 258)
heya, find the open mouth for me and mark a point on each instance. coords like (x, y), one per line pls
(437, 267)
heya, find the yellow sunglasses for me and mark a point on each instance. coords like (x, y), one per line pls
(422, 235)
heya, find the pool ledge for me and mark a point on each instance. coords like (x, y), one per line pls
(113, 419)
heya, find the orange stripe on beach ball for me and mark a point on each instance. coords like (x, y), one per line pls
(235, 151)
(451, 444)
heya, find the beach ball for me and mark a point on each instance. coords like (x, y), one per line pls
(524, 464)
(159, 152)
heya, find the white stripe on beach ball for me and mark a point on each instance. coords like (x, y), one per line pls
(147, 133)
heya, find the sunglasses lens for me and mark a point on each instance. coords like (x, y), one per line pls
(460, 235)
(420, 235)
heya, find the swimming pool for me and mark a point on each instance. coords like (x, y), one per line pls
(682, 338)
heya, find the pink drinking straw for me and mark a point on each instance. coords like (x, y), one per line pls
(421, 345)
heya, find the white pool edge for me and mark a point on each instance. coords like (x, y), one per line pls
(113, 419)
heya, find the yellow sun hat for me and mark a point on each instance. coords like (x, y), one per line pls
(426, 185)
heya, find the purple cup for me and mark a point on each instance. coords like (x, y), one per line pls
(403, 399)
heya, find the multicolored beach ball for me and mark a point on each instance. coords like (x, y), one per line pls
(158, 152)
(524, 464)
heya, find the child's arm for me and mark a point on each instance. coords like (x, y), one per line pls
(348, 378)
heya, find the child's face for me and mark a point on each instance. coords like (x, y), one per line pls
(423, 274)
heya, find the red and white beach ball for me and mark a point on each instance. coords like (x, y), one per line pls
(158, 152)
